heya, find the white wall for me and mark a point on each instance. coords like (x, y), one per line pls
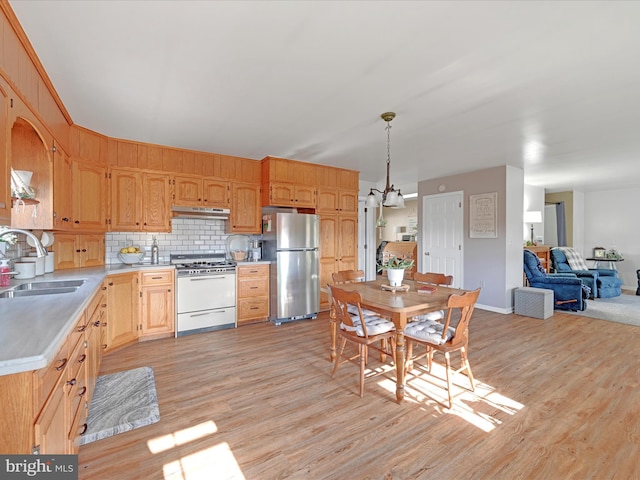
(533, 201)
(610, 220)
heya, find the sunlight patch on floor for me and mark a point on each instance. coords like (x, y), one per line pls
(422, 387)
(216, 462)
(166, 442)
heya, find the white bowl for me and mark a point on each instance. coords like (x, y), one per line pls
(130, 258)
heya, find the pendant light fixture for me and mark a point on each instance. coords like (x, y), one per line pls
(390, 197)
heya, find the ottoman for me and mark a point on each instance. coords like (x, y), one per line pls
(533, 302)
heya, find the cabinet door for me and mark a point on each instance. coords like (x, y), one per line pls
(216, 193)
(187, 191)
(328, 250)
(122, 310)
(327, 201)
(305, 196)
(91, 250)
(126, 200)
(348, 242)
(348, 202)
(281, 194)
(89, 196)
(62, 191)
(51, 427)
(65, 251)
(246, 212)
(155, 203)
(157, 310)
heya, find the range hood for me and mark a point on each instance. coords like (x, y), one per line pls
(207, 213)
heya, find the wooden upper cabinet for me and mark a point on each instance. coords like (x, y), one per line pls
(328, 200)
(246, 211)
(139, 201)
(348, 202)
(62, 191)
(126, 200)
(198, 191)
(156, 202)
(87, 145)
(89, 196)
(187, 190)
(216, 193)
(288, 183)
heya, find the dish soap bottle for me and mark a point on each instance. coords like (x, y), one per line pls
(5, 277)
(155, 254)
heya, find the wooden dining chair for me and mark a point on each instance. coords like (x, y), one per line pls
(364, 331)
(435, 279)
(445, 338)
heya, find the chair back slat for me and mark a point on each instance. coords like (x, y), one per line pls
(433, 278)
(347, 276)
(465, 304)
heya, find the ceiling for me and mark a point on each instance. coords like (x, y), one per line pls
(550, 87)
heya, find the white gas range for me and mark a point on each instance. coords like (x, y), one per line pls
(206, 293)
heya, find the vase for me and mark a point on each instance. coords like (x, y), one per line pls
(395, 275)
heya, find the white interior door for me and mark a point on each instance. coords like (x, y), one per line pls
(442, 235)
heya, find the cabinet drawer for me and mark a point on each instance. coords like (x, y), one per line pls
(253, 270)
(157, 278)
(47, 377)
(253, 307)
(76, 361)
(253, 288)
(77, 333)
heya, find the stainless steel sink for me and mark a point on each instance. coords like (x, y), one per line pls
(40, 291)
(49, 285)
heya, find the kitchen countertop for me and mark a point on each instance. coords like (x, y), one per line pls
(33, 328)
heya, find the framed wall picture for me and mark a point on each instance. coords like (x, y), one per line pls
(483, 215)
(599, 252)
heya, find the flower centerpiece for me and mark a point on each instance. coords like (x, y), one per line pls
(395, 268)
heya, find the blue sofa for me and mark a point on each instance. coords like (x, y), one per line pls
(604, 282)
(569, 293)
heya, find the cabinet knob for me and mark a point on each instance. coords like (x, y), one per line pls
(73, 381)
(77, 222)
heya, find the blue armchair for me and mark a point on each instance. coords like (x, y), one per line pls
(569, 293)
(604, 282)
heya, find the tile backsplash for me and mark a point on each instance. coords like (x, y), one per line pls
(187, 236)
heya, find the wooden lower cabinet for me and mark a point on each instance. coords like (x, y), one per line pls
(253, 293)
(157, 305)
(122, 310)
(76, 250)
(45, 411)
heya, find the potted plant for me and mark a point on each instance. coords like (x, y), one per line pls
(395, 268)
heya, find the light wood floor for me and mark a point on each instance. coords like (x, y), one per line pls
(556, 398)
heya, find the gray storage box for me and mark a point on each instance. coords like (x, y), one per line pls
(534, 302)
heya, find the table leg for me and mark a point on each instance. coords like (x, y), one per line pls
(400, 359)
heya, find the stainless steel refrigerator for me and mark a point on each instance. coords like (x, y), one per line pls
(290, 242)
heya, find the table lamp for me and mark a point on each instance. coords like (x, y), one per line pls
(532, 217)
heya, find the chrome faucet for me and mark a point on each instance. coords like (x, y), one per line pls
(41, 251)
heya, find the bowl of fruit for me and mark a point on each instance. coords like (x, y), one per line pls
(130, 255)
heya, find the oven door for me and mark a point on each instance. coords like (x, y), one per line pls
(206, 292)
(205, 303)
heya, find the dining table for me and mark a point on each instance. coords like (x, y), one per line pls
(399, 306)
